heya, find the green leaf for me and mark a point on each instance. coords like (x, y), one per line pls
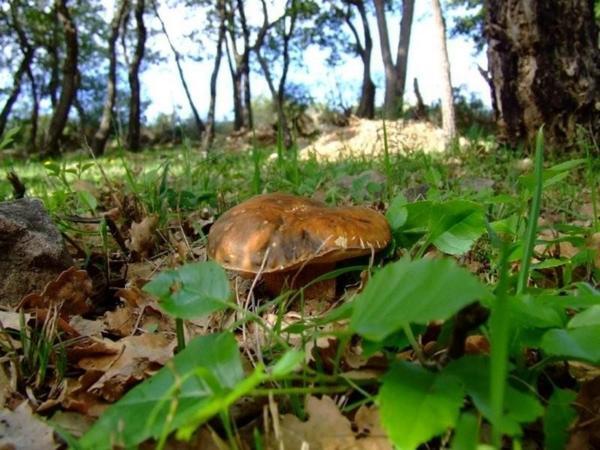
(456, 225)
(466, 436)
(207, 369)
(417, 405)
(520, 406)
(397, 212)
(527, 311)
(576, 343)
(589, 317)
(87, 200)
(560, 414)
(191, 291)
(413, 292)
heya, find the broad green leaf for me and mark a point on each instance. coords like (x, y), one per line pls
(191, 291)
(413, 292)
(559, 416)
(589, 317)
(397, 213)
(417, 405)
(520, 406)
(466, 436)
(527, 311)
(576, 343)
(456, 225)
(208, 368)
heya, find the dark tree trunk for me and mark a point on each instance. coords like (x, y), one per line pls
(247, 108)
(366, 105)
(16, 89)
(544, 63)
(35, 110)
(210, 119)
(70, 81)
(101, 136)
(133, 131)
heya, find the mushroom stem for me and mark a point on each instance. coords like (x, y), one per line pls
(276, 282)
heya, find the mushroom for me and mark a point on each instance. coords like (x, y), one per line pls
(291, 240)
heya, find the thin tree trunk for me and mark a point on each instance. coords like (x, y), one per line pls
(35, 110)
(210, 119)
(197, 120)
(133, 132)
(70, 80)
(247, 111)
(421, 110)
(101, 136)
(448, 115)
(390, 107)
(395, 74)
(408, 8)
(544, 63)
(366, 105)
(16, 89)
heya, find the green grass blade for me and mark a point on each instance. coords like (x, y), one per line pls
(534, 213)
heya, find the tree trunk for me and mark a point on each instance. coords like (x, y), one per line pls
(448, 115)
(35, 111)
(544, 63)
(366, 105)
(101, 136)
(133, 132)
(408, 8)
(16, 89)
(395, 74)
(209, 135)
(70, 80)
(200, 127)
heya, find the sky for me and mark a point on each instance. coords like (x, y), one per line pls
(161, 82)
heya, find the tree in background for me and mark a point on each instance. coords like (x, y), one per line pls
(448, 115)
(101, 136)
(27, 51)
(395, 73)
(200, 127)
(544, 63)
(339, 15)
(134, 124)
(70, 80)
(286, 37)
(218, 17)
(239, 47)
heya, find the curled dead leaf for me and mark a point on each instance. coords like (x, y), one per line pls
(141, 236)
(70, 292)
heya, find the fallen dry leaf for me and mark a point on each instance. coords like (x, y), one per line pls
(325, 429)
(87, 327)
(74, 423)
(141, 357)
(21, 430)
(12, 320)
(586, 431)
(70, 292)
(368, 424)
(141, 236)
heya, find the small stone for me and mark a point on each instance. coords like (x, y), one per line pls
(31, 248)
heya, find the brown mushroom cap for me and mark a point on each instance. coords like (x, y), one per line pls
(294, 230)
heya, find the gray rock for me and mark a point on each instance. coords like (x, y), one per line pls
(32, 251)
